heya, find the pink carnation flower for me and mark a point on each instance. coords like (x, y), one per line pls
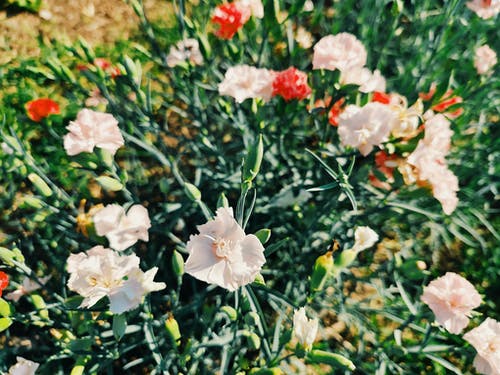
(223, 254)
(365, 127)
(452, 299)
(484, 59)
(484, 8)
(342, 51)
(486, 340)
(367, 81)
(244, 82)
(92, 129)
(185, 50)
(429, 160)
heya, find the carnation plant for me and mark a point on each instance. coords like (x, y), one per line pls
(256, 187)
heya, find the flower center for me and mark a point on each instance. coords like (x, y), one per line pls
(221, 247)
(363, 135)
(494, 345)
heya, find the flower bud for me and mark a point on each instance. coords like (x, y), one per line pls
(192, 191)
(266, 371)
(173, 331)
(346, 258)
(29, 201)
(40, 185)
(222, 201)
(177, 263)
(109, 184)
(253, 340)
(321, 269)
(253, 160)
(332, 359)
(231, 313)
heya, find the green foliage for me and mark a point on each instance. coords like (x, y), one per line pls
(189, 150)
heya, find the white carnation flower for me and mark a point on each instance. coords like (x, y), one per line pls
(222, 254)
(122, 229)
(364, 237)
(101, 272)
(304, 329)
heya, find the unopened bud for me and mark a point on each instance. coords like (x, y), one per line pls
(177, 263)
(346, 258)
(266, 371)
(321, 270)
(192, 191)
(222, 201)
(332, 359)
(253, 160)
(253, 340)
(109, 184)
(40, 185)
(231, 313)
(173, 331)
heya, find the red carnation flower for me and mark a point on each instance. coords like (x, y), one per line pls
(230, 18)
(4, 281)
(291, 84)
(38, 109)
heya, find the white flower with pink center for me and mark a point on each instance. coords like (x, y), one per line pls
(430, 163)
(484, 59)
(23, 367)
(486, 340)
(122, 229)
(484, 8)
(102, 272)
(223, 254)
(246, 82)
(341, 51)
(365, 127)
(92, 129)
(452, 299)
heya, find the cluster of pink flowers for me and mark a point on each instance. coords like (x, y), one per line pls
(452, 299)
(230, 17)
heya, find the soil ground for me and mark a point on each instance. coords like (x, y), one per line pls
(97, 21)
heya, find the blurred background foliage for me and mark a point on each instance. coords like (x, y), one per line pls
(177, 129)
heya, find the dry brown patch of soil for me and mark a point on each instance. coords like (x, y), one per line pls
(97, 21)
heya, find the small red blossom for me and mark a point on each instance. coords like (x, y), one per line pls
(291, 84)
(4, 281)
(39, 109)
(381, 97)
(230, 18)
(335, 111)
